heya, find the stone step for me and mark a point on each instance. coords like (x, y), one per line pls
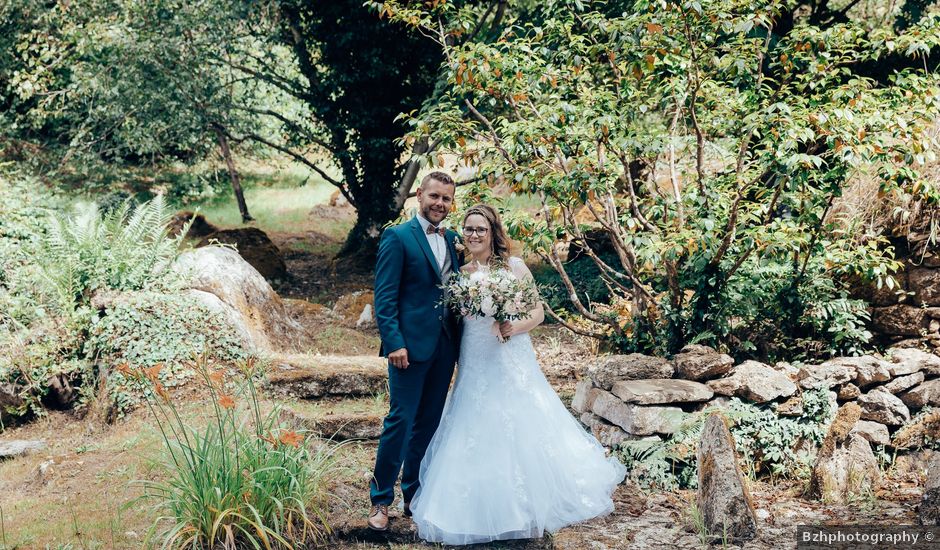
(336, 426)
(318, 376)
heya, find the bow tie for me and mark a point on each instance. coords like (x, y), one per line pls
(439, 230)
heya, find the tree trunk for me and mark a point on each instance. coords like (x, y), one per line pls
(233, 175)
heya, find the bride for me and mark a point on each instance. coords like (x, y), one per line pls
(508, 460)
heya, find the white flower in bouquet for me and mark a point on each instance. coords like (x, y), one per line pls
(492, 293)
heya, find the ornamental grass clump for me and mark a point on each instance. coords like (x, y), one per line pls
(243, 480)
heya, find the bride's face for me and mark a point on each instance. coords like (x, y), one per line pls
(477, 235)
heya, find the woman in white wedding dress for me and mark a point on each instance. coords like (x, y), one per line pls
(508, 460)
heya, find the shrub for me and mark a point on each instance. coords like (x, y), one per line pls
(148, 328)
(53, 264)
(241, 481)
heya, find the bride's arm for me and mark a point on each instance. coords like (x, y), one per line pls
(537, 314)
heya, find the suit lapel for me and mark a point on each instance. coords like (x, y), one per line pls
(425, 247)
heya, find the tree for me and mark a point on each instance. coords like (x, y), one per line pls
(136, 82)
(707, 142)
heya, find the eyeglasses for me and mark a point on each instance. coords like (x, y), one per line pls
(481, 231)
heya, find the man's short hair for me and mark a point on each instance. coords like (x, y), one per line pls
(439, 176)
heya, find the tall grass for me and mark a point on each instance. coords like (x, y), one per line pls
(242, 480)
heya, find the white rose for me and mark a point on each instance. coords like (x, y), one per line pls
(487, 306)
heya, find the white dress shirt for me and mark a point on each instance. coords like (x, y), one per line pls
(437, 242)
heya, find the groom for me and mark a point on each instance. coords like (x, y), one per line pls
(419, 337)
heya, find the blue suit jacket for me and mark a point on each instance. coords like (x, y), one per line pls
(408, 311)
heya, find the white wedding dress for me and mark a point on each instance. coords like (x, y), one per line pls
(508, 460)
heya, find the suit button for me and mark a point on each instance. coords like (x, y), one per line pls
(440, 318)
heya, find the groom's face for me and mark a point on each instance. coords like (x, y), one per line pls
(435, 200)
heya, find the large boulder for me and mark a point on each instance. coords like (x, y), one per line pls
(226, 283)
(696, 362)
(635, 419)
(923, 394)
(881, 406)
(845, 467)
(755, 382)
(635, 366)
(911, 360)
(657, 391)
(255, 247)
(928, 513)
(723, 498)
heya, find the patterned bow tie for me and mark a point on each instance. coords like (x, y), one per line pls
(439, 230)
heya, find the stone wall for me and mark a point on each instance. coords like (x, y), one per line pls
(631, 397)
(911, 311)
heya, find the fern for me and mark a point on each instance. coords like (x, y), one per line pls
(127, 248)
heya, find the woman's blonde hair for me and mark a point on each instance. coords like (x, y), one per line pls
(499, 245)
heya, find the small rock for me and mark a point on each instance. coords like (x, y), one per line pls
(849, 391)
(911, 360)
(695, 362)
(881, 406)
(635, 419)
(925, 283)
(925, 393)
(791, 407)
(902, 383)
(656, 391)
(786, 368)
(928, 513)
(755, 382)
(898, 320)
(723, 498)
(825, 376)
(607, 434)
(915, 434)
(584, 395)
(634, 366)
(349, 308)
(867, 369)
(19, 447)
(365, 318)
(875, 432)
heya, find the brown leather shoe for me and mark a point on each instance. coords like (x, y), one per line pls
(378, 517)
(408, 509)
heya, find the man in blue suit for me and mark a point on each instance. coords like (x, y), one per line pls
(419, 336)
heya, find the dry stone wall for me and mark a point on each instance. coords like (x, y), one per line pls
(633, 397)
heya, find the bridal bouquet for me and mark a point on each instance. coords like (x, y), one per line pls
(491, 293)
